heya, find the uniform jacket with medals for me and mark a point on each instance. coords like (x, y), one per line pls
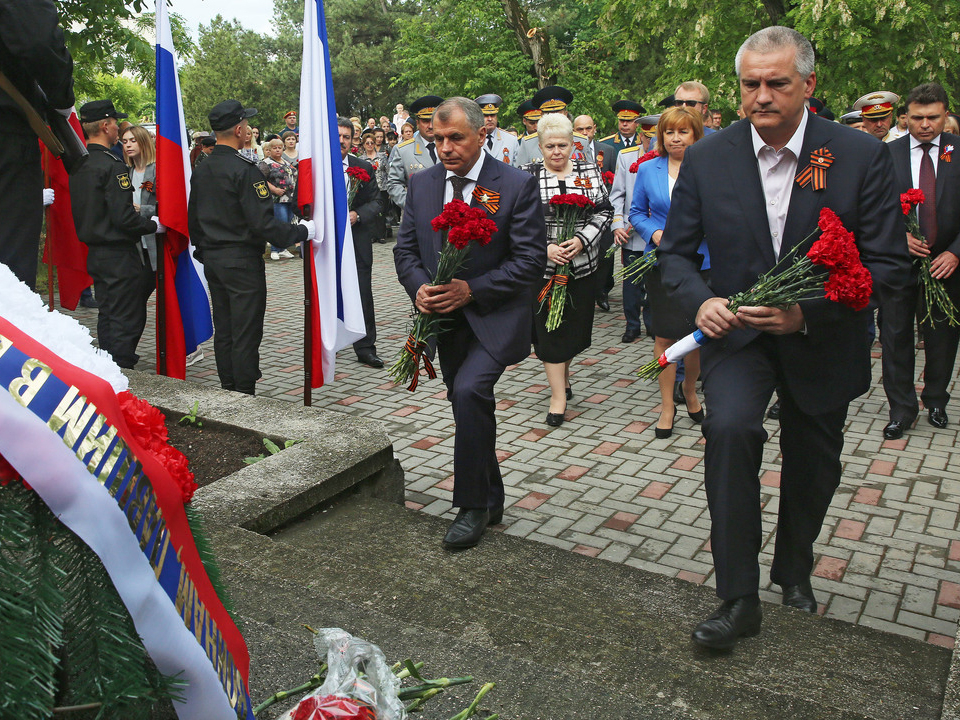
(529, 149)
(231, 207)
(504, 146)
(101, 192)
(407, 158)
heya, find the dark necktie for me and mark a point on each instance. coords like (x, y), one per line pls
(928, 185)
(490, 140)
(459, 183)
(627, 142)
(433, 154)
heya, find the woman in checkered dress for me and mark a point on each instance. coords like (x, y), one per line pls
(559, 174)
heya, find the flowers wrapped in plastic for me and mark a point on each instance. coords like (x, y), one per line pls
(792, 279)
(934, 293)
(461, 225)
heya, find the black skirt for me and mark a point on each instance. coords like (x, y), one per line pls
(574, 334)
(667, 318)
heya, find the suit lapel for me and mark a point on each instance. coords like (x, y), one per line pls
(743, 174)
(943, 167)
(488, 178)
(663, 186)
(900, 153)
(805, 202)
(433, 205)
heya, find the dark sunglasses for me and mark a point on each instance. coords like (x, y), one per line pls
(688, 103)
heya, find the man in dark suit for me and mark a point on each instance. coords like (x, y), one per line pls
(922, 159)
(740, 190)
(365, 215)
(487, 308)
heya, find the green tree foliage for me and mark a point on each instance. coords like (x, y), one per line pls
(861, 45)
(128, 96)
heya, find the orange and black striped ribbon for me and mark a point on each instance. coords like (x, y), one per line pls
(417, 348)
(555, 280)
(816, 171)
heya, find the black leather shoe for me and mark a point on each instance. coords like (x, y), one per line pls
(603, 302)
(678, 397)
(467, 529)
(732, 620)
(554, 419)
(89, 302)
(496, 516)
(569, 392)
(629, 336)
(697, 416)
(938, 417)
(370, 359)
(800, 597)
(664, 433)
(773, 412)
(893, 430)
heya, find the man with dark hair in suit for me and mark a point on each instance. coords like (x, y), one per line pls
(35, 60)
(743, 190)
(365, 213)
(487, 309)
(921, 159)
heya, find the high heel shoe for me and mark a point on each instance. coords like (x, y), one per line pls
(554, 419)
(697, 416)
(664, 433)
(569, 393)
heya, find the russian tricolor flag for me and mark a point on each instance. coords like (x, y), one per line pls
(188, 321)
(336, 315)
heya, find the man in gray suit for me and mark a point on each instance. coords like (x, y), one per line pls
(415, 154)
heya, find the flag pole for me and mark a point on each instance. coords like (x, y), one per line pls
(306, 254)
(161, 304)
(46, 214)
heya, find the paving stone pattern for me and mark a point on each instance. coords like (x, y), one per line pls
(601, 485)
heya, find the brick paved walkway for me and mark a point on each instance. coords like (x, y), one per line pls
(602, 485)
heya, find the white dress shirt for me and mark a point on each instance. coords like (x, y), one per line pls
(916, 156)
(777, 171)
(472, 176)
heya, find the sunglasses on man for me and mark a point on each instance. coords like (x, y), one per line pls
(688, 103)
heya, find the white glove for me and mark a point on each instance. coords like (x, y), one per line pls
(161, 228)
(311, 228)
(48, 196)
(66, 112)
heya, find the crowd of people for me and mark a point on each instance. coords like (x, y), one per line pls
(715, 208)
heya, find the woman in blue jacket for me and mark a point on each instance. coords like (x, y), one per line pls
(679, 127)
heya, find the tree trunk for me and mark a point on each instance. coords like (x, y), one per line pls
(775, 10)
(534, 42)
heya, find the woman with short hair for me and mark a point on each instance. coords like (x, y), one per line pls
(559, 174)
(678, 128)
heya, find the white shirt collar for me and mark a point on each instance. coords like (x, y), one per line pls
(474, 172)
(794, 145)
(914, 143)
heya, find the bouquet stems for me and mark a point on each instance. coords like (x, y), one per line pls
(635, 271)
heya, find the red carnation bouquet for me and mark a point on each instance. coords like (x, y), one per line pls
(461, 225)
(793, 279)
(357, 176)
(609, 177)
(571, 209)
(934, 293)
(643, 158)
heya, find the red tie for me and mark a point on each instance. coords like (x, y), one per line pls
(928, 185)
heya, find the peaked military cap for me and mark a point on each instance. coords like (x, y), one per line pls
(552, 98)
(628, 109)
(877, 104)
(528, 110)
(668, 101)
(648, 125)
(99, 110)
(423, 107)
(228, 114)
(489, 103)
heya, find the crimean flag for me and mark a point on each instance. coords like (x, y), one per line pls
(336, 313)
(63, 247)
(188, 321)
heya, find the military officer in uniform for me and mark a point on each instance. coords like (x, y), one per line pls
(102, 201)
(529, 116)
(876, 109)
(502, 145)
(231, 220)
(628, 112)
(414, 154)
(552, 99)
(647, 131)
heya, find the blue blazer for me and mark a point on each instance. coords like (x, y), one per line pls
(651, 204)
(502, 275)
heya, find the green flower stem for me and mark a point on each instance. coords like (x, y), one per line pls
(311, 684)
(418, 703)
(403, 672)
(472, 707)
(637, 269)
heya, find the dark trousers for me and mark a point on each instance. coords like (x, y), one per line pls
(123, 281)
(21, 205)
(470, 374)
(897, 311)
(363, 252)
(605, 276)
(238, 292)
(737, 391)
(634, 295)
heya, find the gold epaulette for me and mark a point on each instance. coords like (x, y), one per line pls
(632, 148)
(608, 137)
(405, 142)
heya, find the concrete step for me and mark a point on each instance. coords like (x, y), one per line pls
(564, 636)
